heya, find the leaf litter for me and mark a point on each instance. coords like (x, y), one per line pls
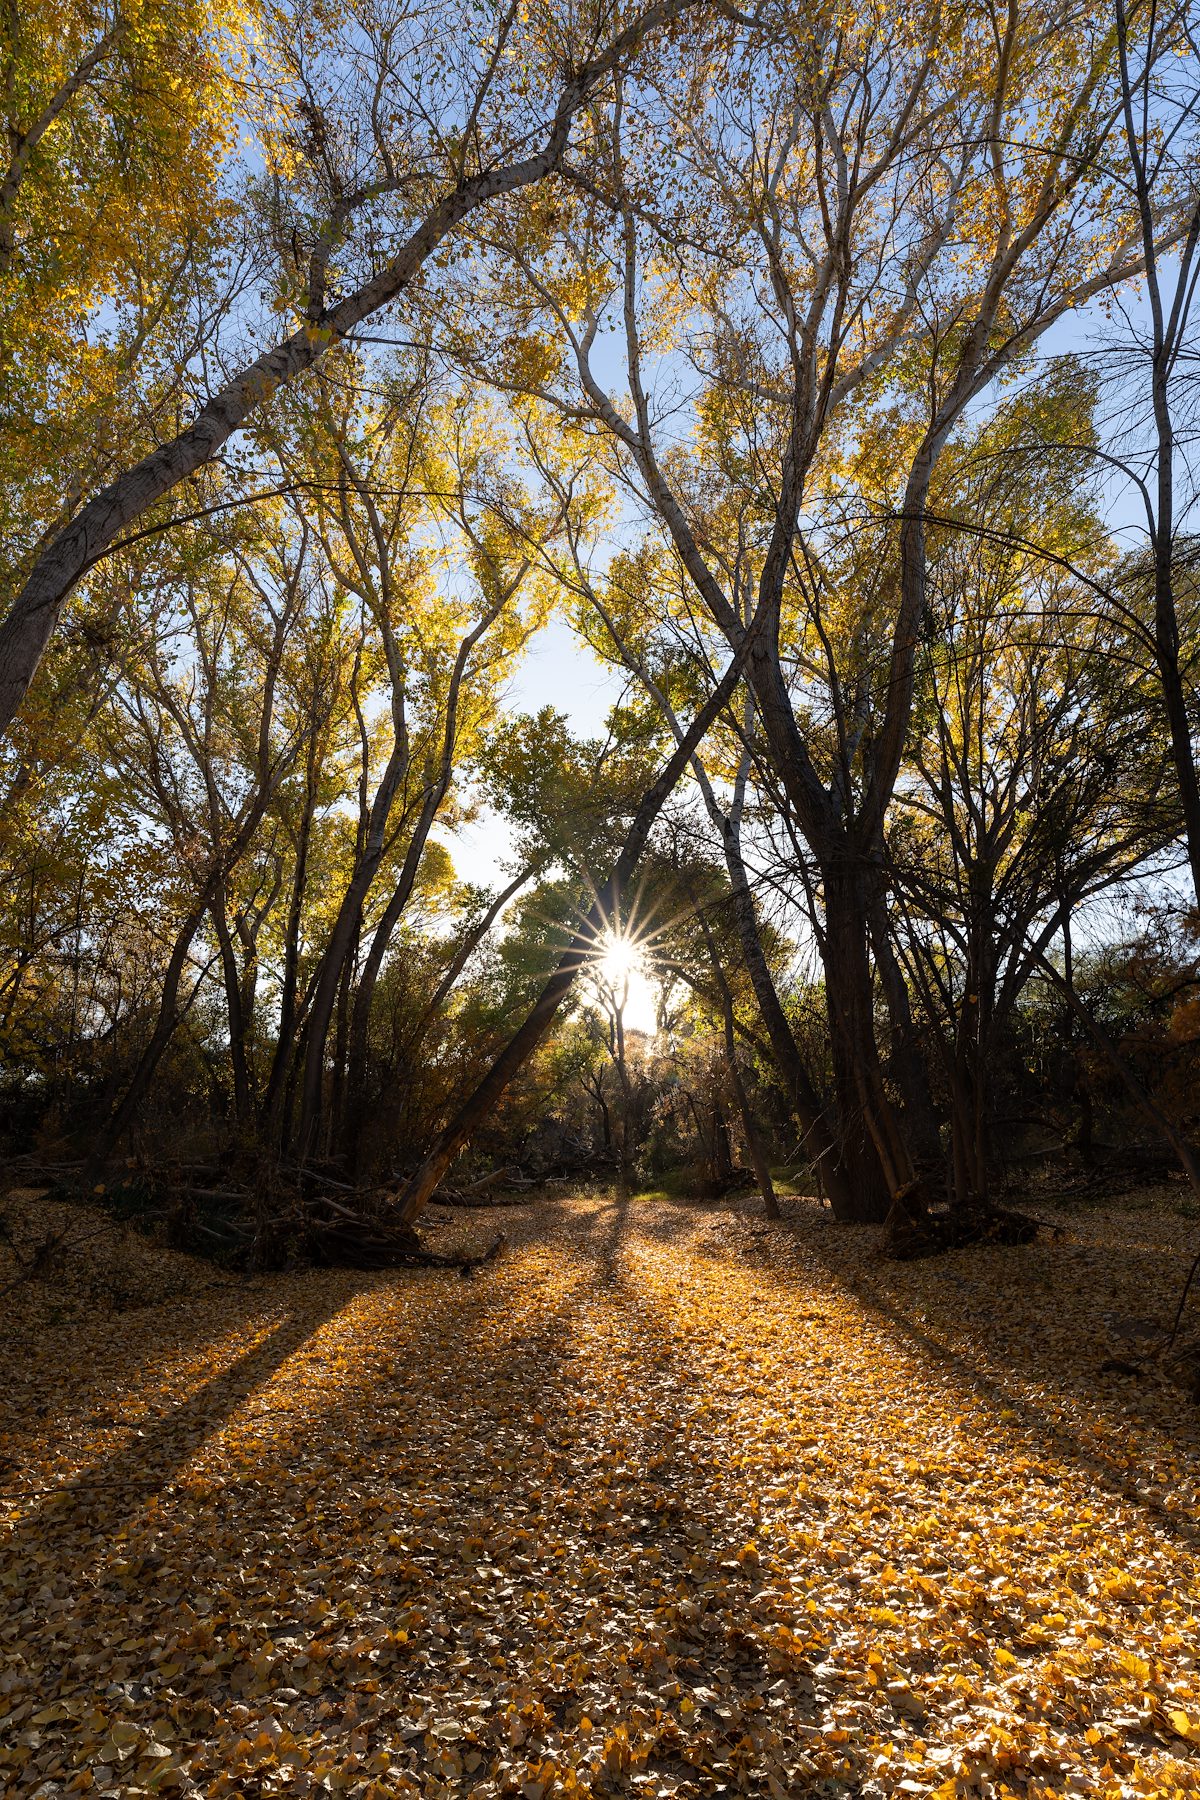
(669, 1503)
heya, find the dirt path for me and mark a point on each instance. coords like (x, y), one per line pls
(666, 1502)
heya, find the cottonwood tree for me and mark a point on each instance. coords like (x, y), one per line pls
(1154, 358)
(199, 731)
(694, 931)
(378, 139)
(412, 517)
(1036, 778)
(592, 920)
(119, 135)
(894, 213)
(636, 614)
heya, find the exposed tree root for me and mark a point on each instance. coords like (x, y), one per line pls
(914, 1229)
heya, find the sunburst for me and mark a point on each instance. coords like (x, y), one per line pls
(621, 970)
(619, 960)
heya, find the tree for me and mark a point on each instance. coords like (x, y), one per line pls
(115, 224)
(365, 198)
(1037, 777)
(881, 218)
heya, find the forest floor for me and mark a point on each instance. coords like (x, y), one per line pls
(667, 1501)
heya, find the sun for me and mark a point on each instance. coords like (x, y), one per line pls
(623, 969)
(620, 960)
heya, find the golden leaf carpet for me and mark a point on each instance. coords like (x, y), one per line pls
(666, 1502)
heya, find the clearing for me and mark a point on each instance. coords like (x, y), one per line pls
(668, 1501)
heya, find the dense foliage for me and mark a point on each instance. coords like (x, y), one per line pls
(828, 374)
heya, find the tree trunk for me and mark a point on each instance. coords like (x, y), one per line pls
(906, 1058)
(873, 1163)
(281, 1062)
(754, 1144)
(340, 948)
(235, 1011)
(810, 1111)
(168, 1018)
(341, 1034)
(352, 1121)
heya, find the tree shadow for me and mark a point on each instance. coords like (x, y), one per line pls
(104, 1494)
(970, 1312)
(357, 1442)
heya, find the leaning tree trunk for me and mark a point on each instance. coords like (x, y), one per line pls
(352, 1117)
(101, 520)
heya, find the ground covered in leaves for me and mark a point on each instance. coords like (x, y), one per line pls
(667, 1501)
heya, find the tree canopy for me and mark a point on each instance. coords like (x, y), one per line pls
(824, 373)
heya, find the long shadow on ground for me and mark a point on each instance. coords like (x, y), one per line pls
(1014, 1325)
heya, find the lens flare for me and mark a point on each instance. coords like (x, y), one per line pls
(622, 971)
(620, 960)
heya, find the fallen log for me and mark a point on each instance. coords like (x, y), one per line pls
(454, 1197)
